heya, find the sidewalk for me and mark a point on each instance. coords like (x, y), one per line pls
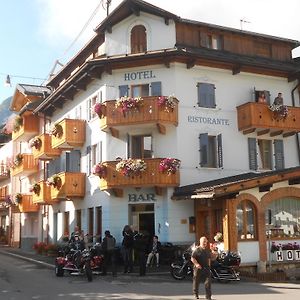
(49, 261)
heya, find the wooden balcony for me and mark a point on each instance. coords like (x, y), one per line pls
(28, 166)
(73, 134)
(149, 114)
(72, 186)
(45, 151)
(44, 196)
(151, 177)
(257, 117)
(27, 204)
(29, 129)
(4, 172)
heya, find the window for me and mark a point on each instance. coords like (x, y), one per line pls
(284, 215)
(138, 39)
(211, 153)
(206, 95)
(257, 94)
(140, 146)
(245, 221)
(261, 154)
(262, 49)
(141, 90)
(213, 41)
(94, 156)
(90, 104)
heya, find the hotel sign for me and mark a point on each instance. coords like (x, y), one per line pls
(287, 255)
(139, 75)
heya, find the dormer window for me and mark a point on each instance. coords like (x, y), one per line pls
(213, 41)
(138, 39)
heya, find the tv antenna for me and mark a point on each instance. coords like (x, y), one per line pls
(106, 4)
(243, 21)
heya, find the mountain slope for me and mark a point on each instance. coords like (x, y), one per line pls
(4, 110)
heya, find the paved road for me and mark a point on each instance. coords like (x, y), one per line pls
(24, 280)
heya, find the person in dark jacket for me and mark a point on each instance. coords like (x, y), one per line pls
(127, 248)
(140, 247)
(108, 247)
(154, 250)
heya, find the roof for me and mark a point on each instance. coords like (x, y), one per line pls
(234, 184)
(37, 90)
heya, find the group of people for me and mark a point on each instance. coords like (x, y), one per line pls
(277, 101)
(135, 245)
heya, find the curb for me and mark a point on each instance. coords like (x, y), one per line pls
(49, 266)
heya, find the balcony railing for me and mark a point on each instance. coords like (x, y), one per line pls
(257, 117)
(27, 130)
(151, 177)
(45, 150)
(72, 134)
(27, 204)
(72, 185)
(4, 172)
(27, 166)
(149, 113)
(44, 194)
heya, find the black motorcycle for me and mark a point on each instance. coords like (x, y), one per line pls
(223, 269)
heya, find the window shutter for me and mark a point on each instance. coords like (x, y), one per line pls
(206, 95)
(279, 154)
(123, 90)
(73, 161)
(252, 153)
(220, 151)
(88, 160)
(268, 96)
(89, 110)
(156, 88)
(203, 138)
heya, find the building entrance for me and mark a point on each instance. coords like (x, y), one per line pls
(141, 217)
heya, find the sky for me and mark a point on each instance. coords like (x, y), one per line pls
(36, 33)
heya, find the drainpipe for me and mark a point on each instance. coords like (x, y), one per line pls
(297, 134)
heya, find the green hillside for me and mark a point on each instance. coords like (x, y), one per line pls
(4, 110)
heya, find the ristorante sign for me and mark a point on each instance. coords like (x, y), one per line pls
(287, 255)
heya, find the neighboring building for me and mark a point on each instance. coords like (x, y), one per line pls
(239, 160)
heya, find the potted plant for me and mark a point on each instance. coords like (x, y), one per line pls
(40, 247)
(51, 249)
(54, 181)
(18, 123)
(36, 142)
(131, 167)
(168, 103)
(99, 109)
(279, 111)
(126, 104)
(35, 188)
(100, 170)
(57, 130)
(169, 165)
(18, 160)
(18, 198)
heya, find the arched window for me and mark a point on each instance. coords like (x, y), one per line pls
(246, 221)
(138, 39)
(284, 215)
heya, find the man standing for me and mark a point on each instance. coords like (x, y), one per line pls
(278, 100)
(108, 247)
(201, 258)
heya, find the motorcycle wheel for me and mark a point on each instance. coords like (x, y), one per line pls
(177, 272)
(59, 270)
(88, 271)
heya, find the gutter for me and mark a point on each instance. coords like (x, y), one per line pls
(297, 134)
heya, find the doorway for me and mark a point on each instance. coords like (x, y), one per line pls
(141, 217)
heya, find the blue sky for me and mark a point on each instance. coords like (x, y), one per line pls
(34, 33)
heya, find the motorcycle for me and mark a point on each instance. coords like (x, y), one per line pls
(75, 261)
(97, 259)
(223, 269)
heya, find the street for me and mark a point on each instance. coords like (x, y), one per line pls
(25, 280)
